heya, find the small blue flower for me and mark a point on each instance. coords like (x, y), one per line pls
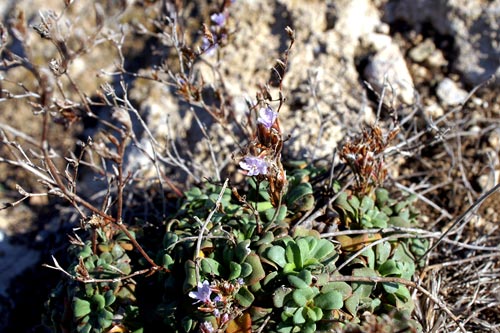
(203, 293)
(208, 47)
(267, 117)
(219, 19)
(254, 165)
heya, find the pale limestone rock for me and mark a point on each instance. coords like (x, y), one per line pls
(388, 67)
(449, 93)
(474, 25)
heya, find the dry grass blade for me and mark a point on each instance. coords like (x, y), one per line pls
(461, 218)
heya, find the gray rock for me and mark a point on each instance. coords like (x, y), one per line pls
(474, 25)
(388, 67)
(449, 93)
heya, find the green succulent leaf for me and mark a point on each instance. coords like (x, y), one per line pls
(280, 296)
(277, 254)
(297, 282)
(380, 220)
(86, 251)
(246, 270)
(390, 267)
(294, 255)
(399, 221)
(190, 270)
(308, 328)
(269, 278)
(297, 193)
(369, 254)
(302, 296)
(81, 307)
(381, 196)
(403, 293)
(364, 289)
(330, 300)
(315, 313)
(109, 298)
(367, 204)
(85, 328)
(167, 261)
(298, 317)
(284, 327)
(289, 268)
(228, 255)
(323, 249)
(264, 206)
(242, 250)
(267, 238)
(351, 304)
(98, 301)
(169, 239)
(210, 266)
(89, 264)
(258, 272)
(123, 266)
(105, 318)
(106, 258)
(382, 252)
(344, 204)
(418, 246)
(354, 202)
(244, 297)
(407, 269)
(303, 231)
(405, 262)
(89, 290)
(117, 251)
(122, 237)
(271, 212)
(234, 270)
(390, 287)
(187, 324)
(344, 288)
(306, 276)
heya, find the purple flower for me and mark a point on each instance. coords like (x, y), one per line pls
(224, 319)
(203, 292)
(208, 47)
(206, 327)
(218, 18)
(267, 117)
(254, 165)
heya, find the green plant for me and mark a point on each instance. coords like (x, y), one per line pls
(237, 259)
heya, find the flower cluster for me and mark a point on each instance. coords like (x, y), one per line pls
(221, 306)
(214, 35)
(257, 165)
(263, 157)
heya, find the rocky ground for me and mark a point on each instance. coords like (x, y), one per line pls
(430, 67)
